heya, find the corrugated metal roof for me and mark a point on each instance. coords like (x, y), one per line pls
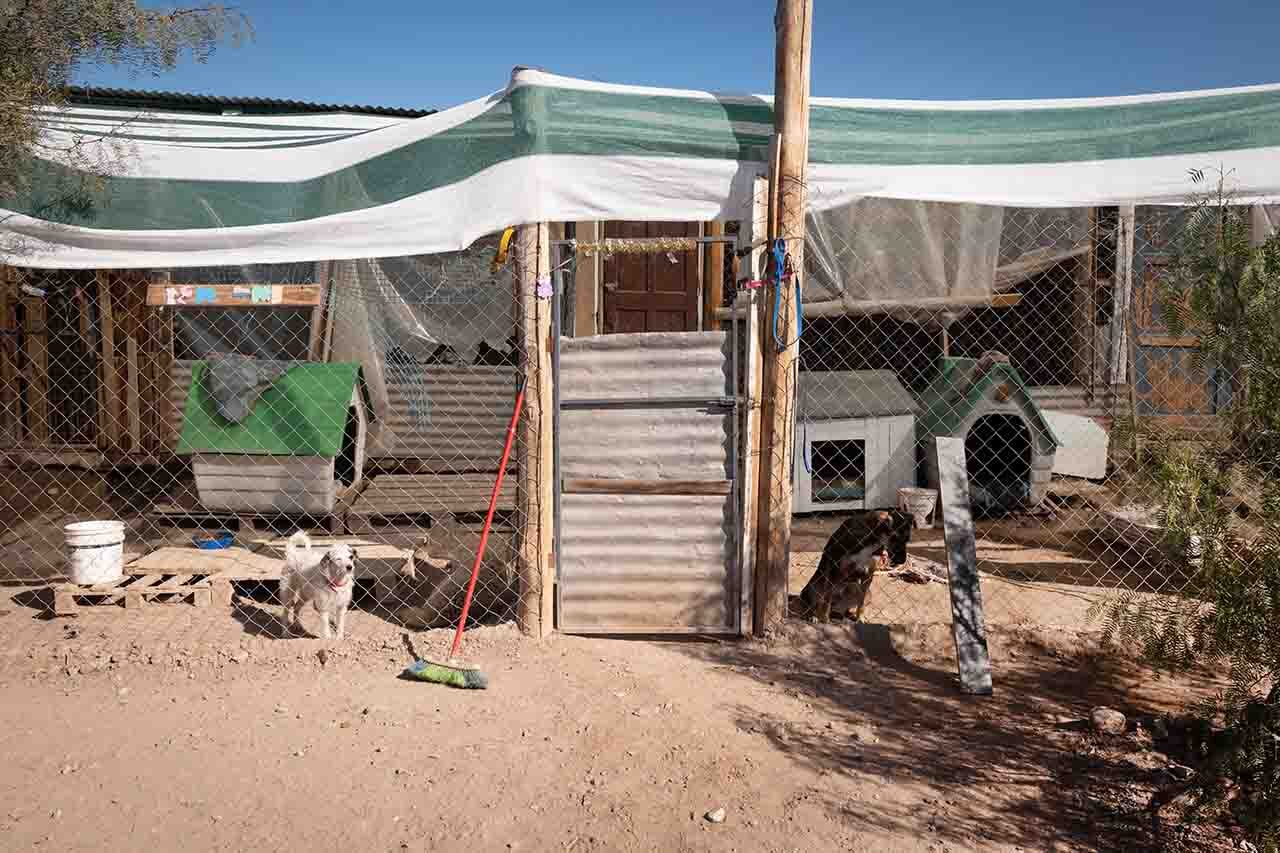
(838, 394)
(219, 104)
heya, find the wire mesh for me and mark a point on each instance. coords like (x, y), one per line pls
(109, 413)
(1037, 336)
(1043, 338)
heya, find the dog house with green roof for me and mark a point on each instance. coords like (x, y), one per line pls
(300, 450)
(1009, 445)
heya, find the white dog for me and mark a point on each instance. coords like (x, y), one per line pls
(323, 578)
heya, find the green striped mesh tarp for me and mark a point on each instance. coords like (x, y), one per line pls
(202, 190)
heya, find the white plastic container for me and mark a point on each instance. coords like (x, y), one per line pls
(920, 503)
(95, 551)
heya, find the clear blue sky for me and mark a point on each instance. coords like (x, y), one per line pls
(437, 53)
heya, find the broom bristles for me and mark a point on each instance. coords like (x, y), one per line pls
(449, 674)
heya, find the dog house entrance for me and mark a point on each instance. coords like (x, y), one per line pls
(998, 451)
(839, 469)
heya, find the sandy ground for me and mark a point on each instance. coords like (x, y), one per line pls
(200, 729)
(123, 733)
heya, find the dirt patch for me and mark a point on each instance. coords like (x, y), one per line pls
(119, 735)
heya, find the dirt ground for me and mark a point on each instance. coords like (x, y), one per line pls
(127, 732)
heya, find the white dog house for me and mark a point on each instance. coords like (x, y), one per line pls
(855, 440)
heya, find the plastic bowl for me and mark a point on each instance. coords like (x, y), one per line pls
(213, 543)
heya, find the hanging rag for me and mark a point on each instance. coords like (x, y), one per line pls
(236, 382)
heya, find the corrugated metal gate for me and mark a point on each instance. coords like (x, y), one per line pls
(649, 512)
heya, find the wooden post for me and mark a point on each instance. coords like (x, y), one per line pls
(586, 284)
(750, 325)
(10, 422)
(793, 20)
(133, 391)
(714, 277)
(1127, 328)
(36, 347)
(315, 346)
(109, 414)
(534, 510)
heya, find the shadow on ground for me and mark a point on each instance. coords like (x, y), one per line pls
(1003, 769)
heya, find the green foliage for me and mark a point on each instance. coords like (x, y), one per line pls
(46, 44)
(1225, 290)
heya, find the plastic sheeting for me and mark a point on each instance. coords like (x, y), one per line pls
(284, 188)
(887, 252)
(395, 315)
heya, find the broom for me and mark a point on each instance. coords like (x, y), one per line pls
(451, 671)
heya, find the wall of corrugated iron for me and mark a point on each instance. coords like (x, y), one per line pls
(647, 562)
(450, 418)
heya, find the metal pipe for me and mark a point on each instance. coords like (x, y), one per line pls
(556, 309)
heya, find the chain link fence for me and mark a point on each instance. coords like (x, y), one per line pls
(378, 393)
(1037, 336)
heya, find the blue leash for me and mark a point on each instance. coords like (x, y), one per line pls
(780, 273)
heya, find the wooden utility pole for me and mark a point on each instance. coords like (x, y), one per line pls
(534, 510)
(794, 24)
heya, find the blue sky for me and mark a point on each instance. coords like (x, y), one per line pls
(437, 53)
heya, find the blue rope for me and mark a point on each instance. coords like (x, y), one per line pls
(779, 274)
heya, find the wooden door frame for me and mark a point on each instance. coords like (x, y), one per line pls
(588, 317)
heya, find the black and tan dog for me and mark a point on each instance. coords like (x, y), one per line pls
(859, 547)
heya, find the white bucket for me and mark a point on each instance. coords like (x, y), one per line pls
(919, 502)
(95, 551)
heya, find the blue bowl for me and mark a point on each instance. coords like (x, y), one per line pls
(213, 543)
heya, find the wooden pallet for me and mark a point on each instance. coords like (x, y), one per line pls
(134, 591)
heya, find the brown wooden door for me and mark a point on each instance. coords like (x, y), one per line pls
(651, 292)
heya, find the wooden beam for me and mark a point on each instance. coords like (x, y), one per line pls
(647, 487)
(133, 387)
(315, 346)
(1128, 326)
(10, 421)
(840, 308)
(109, 413)
(713, 293)
(751, 307)
(791, 125)
(35, 339)
(1190, 341)
(968, 625)
(586, 283)
(177, 294)
(88, 352)
(534, 489)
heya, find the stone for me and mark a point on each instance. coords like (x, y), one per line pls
(716, 815)
(1108, 721)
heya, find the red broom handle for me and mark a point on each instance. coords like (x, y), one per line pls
(488, 522)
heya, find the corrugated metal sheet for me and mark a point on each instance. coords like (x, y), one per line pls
(450, 417)
(625, 367)
(216, 104)
(1105, 401)
(644, 444)
(643, 562)
(834, 394)
(633, 562)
